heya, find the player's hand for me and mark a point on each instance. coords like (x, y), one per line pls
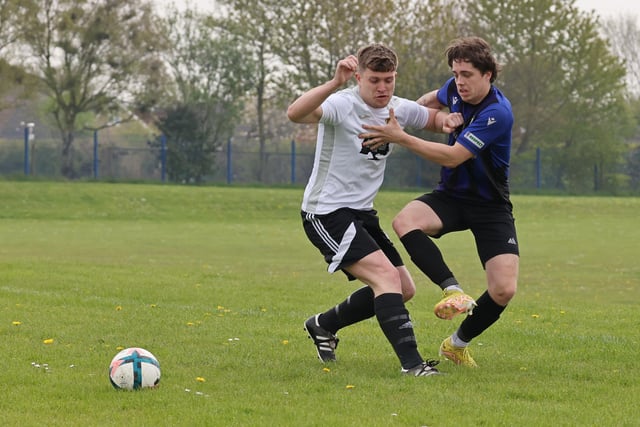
(379, 135)
(451, 122)
(345, 69)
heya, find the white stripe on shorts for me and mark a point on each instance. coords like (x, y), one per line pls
(344, 247)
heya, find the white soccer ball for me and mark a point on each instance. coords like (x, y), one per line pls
(134, 368)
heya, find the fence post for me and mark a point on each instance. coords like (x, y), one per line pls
(163, 157)
(95, 154)
(293, 161)
(229, 172)
(538, 168)
(27, 137)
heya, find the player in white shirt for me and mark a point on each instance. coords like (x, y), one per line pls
(337, 208)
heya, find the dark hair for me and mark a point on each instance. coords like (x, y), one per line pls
(377, 57)
(476, 51)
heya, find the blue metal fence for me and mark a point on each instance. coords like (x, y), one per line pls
(235, 164)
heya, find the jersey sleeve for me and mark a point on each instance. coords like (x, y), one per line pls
(335, 108)
(490, 125)
(443, 92)
(412, 115)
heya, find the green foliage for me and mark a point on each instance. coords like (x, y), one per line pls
(91, 57)
(191, 150)
(218, 290)
(212, 73)
(567, 88)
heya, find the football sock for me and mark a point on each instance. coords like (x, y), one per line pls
(394, 321)
(484, 315)
(457, 342)
(357, 307)
(428, 258)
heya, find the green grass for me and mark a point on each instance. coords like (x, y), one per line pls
(217, 281)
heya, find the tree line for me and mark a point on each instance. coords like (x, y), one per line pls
(202, 78)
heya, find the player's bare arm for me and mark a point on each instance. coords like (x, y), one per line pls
(306, 109)
(442, 154)
(430, 100)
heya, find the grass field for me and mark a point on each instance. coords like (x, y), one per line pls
(217, 282)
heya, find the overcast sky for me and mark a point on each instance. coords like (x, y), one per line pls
(604, 8)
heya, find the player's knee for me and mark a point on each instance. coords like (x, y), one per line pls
(503, 294)
(408, 292)
(389, 280)
(401, 224)
(407, 295)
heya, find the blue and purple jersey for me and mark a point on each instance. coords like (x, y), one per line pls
(487, 134)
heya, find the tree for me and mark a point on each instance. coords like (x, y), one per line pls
(565, 86)
(623, 34)
(92, 57)
(211, 73)
(15, 83)
(252, 23)
(297, 44)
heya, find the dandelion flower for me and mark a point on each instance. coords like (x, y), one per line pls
(118, 307)
(350, 386)
(535, 316)
(285, 342)
(200, 379)
(48, 341)
(326, 369)
(16, 323)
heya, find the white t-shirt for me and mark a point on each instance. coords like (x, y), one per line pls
(342, 177)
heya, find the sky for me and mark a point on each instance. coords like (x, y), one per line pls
(609, 8)
(603, 8)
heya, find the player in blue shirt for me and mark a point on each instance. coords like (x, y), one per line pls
(473, 193)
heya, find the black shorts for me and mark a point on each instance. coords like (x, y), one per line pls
(348, 235)
(492, 224)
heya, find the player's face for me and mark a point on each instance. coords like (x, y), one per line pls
(472, 85)
(376, 88)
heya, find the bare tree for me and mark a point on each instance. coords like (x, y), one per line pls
(93, 57)
(623, 34)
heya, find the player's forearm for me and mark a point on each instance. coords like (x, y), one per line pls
(441, 154)
(305, 108)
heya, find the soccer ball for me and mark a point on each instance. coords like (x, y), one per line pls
(134, 368)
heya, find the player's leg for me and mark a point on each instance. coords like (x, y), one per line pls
(498, 250)
(393, 317)
(371, 223)
(357, 233)
(414, 224)
(502, 276)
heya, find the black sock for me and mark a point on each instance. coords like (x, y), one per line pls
(484, 315)
(428, 258)
(357, 307)
(394, 321)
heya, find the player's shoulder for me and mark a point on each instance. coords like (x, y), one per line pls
(340, 104)
(501, 108)
(399, 103)
(503, 102)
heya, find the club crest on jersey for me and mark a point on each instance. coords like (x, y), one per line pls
(382, 150)
(474, 139)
